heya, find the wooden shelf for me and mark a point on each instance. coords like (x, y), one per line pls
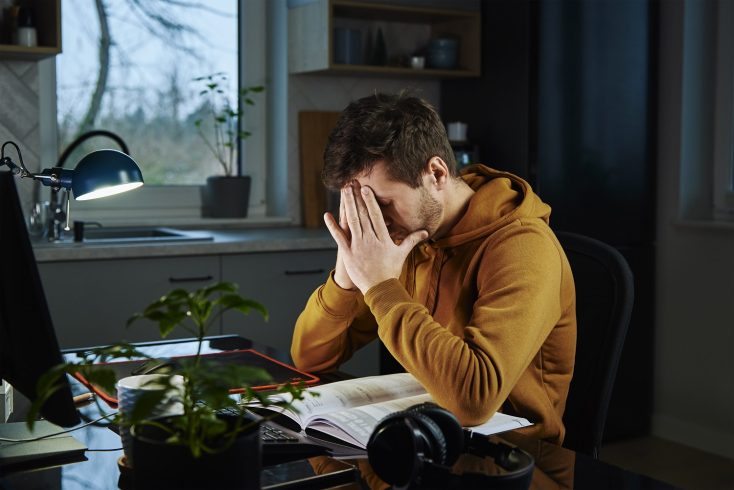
(13, 52)
(398, 71)
(47, 16)
(311, 41)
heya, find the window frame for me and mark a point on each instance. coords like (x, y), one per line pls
(723, 138)
(180, 204)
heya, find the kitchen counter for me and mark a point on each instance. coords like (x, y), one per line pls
(226, 241)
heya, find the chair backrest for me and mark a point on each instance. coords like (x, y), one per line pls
(604, 298)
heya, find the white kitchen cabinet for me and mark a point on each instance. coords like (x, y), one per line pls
(283, 282)
(90, 301)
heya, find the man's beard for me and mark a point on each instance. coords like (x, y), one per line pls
(429, 218)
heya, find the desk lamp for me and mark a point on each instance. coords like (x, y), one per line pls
(100, 173)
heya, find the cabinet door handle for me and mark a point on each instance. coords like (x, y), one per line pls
(190, 279)
(304, 272)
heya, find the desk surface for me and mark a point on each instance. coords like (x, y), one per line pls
(555, 467)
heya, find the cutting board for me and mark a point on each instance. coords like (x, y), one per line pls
(314, 128)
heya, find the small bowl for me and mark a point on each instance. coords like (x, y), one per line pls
(417, 62)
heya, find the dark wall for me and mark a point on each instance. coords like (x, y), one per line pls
(565, 101)
(497, 106)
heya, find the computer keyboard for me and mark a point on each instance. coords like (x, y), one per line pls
(270, 434)
(281, 444)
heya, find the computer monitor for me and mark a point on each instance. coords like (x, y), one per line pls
(28, 345)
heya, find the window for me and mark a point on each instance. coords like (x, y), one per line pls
(724, 115)
(130, 67)
(707, 113)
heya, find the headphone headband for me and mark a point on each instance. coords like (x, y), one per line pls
(417, 447)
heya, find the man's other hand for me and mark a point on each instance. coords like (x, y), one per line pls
(341, 277)
(366, 250)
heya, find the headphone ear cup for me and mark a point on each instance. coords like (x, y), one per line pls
(433, 437)
(395, 449)
(449, 426)
(400, 445)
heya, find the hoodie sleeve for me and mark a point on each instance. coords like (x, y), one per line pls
(333, 325)
(518, 303)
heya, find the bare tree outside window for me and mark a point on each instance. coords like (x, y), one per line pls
(128, 66)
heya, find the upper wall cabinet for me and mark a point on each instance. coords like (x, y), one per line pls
(385, 39)
(45, 16)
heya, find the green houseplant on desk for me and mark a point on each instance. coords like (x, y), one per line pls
(201, 443)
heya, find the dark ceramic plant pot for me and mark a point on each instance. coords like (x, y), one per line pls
(225, 197)
(160, 465)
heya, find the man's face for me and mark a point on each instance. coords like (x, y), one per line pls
(404, 209)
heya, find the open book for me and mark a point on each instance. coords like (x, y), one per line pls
(346, 412)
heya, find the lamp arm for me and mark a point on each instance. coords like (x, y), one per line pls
(55, 178)
(7, 161)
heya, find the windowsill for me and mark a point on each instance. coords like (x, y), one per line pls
(701, 224)
(174, 206)
(190, 222)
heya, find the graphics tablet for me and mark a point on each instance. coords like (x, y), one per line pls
(280, 373)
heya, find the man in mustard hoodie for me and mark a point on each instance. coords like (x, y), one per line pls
(459, 276)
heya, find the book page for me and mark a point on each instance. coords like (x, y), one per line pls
(351, 393)
(354, 425)
(500, 422)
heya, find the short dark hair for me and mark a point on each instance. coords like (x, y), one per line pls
(403, 130)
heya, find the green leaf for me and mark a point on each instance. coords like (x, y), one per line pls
(48, 384)
(168, 323)
(145, 404)
(243, 305)
(100, 376)
(219, 287)
(199, 429)
(132, 319)
(175, 295)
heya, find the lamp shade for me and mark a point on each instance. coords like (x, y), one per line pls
(104, 173)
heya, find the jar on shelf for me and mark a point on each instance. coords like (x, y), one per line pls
(25, 30)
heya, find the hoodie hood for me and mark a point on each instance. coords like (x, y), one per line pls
(499, 198)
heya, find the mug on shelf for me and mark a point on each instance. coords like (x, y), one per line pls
(443, 53)
(348, 46)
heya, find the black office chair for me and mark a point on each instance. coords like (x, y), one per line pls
(604, 298)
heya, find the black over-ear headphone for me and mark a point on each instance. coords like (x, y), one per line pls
(416, 448)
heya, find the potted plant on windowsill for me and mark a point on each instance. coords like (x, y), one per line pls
(226, 195)
(197, 447)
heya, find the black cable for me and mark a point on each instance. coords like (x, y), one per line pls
(31, 439)
(24, 171)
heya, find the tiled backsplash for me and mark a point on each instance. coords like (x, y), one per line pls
(19, 117)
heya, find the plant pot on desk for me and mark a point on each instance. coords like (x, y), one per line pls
(225, 197)
(162, 465)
